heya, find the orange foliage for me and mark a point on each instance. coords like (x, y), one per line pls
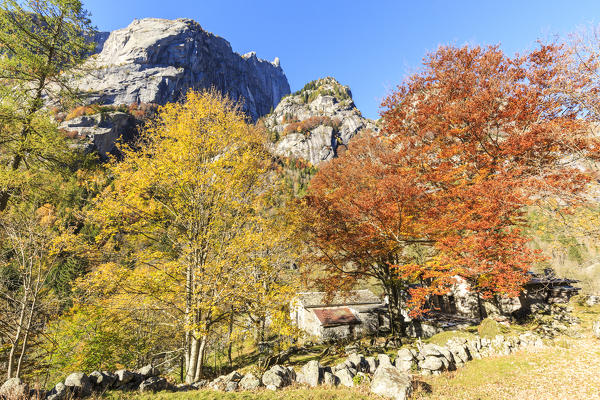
(466, 145)
(311, 123)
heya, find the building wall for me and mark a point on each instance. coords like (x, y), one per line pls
(306, 320)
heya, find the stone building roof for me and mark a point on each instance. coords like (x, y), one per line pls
(323, 299)
(335, 316)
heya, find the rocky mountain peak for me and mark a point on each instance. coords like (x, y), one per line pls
(157, 60)
(315, 122)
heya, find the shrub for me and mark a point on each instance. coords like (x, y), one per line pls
(357, 380)
(311, 123)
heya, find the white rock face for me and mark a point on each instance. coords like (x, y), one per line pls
(325, 101)
(157, 60)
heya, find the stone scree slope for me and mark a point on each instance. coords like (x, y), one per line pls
(157, 60)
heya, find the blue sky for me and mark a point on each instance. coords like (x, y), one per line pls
(369, 45)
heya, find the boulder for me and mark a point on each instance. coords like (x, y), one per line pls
(358, 362)
(148, 371)
(384, 360)
(291, 373)
(459, 353)
(79, 384)
(222, 382)
(250, 382)
(199, 384)
(405, 360)
(231, 386)
(405, 354)
(182, 387)
(59, 392)
(14, 388)
(102, 380)
(405, 365)
(153, 384)
(312, 373)
(345, 377)
(473, 350)
(391, 383)
(124, 377)
(277, 377)
(372, 363)
(596, 329)
(431, 349)
(330, 379)
(432, 363)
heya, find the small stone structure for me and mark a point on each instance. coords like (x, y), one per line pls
(351, 315)
(540, 289)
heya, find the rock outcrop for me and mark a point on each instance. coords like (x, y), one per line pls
(100, 132)
(157, 60)
(316, 122)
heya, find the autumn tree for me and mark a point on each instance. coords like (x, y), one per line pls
(467, 144)
(33, 245)
(194, 202)
(568, 230)
(362, 219)
(41, 44)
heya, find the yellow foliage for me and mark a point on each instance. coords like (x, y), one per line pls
(204, 213)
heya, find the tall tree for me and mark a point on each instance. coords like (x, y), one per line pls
(41, 43)
(33, 244)
(193, 199)
(362, 217)
(489, 138)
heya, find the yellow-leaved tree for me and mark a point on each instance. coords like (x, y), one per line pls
(197, 202)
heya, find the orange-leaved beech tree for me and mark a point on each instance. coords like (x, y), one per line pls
(466, 146)
(363, 218)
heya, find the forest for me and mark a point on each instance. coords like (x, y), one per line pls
(184, 249)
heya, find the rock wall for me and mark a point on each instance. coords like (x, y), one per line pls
(387, 377)
(157, 60)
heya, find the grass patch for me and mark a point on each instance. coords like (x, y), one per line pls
(567, 370)
(442, 338)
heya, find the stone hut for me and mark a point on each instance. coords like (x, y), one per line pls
(328, 317)
(540, 289)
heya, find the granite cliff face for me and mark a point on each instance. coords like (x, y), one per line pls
(158, 60)
(316, 122)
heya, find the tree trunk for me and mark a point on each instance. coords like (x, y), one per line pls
(15, 343)
(200, 360)
(480, 307)
(26, 336)
(190, 372)
(230, 344)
